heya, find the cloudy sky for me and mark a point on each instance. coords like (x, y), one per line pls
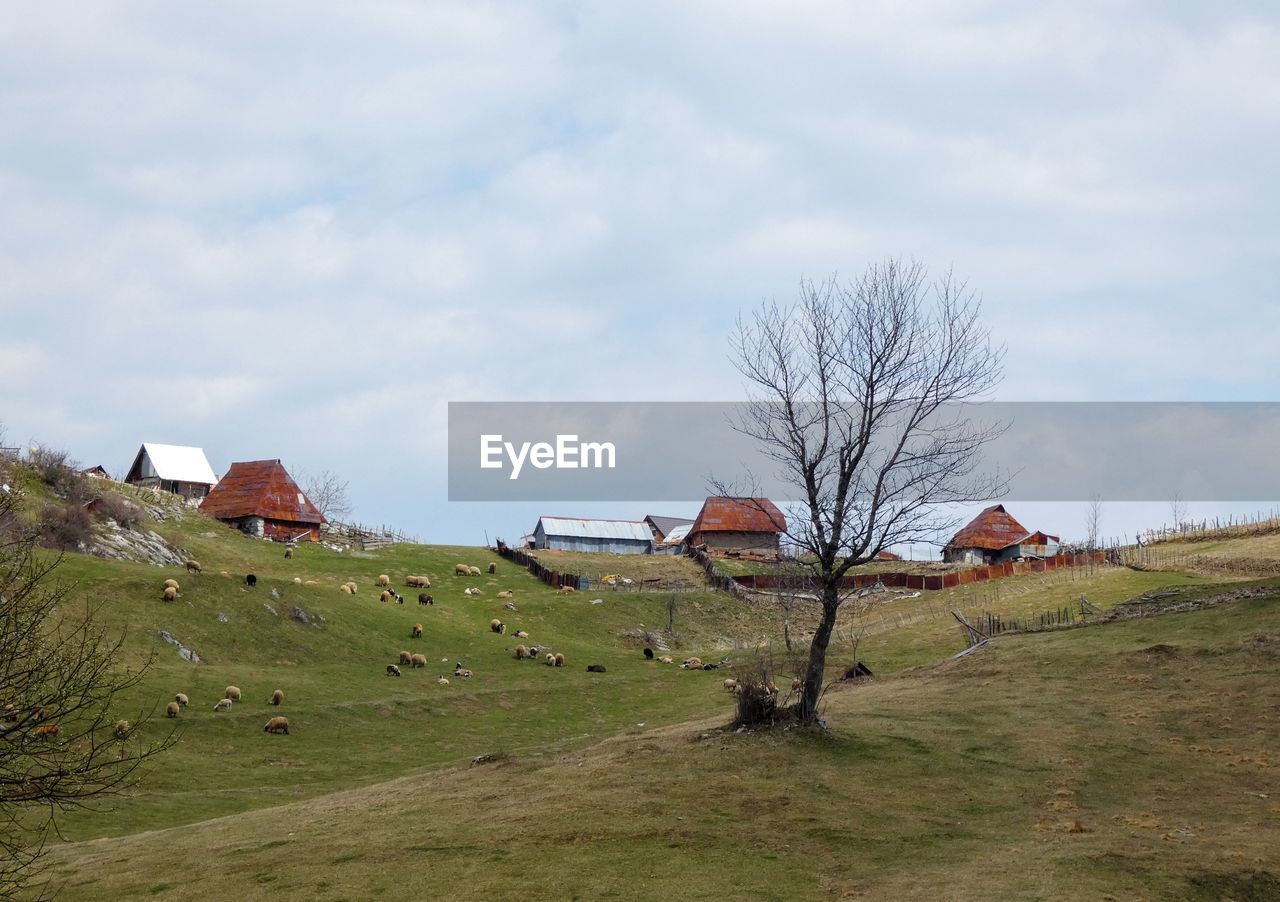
(298, 230)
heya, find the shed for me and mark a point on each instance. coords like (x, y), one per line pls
(97, 472)
(995, 536)
(179, 469)
(662, 526)
(261, 498)
(577, 534)
(674, 541)
(738, 524)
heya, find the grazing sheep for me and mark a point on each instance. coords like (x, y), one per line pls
(288, 553)
(312, 582)
(224, 704)
(648, 653)
(460, 671)
(233, 693)
(47, 729)
(224, 573)
(251, 580)
(352, 586)
(384, 580)
(122, 729)
(344, 589)
(474, 592)
(521, 634)
(505, 593)
(171, 709)
(192, 566)
(551, 659)
(473, 571)
(417, 582)
(418, 661)
(297, 580)
(442, 680)
(171, 584)
(497, 626)
(384, 596)
(461, 569)
(559, 660)
(510, 606)
(493, 567)
(424, 598)
(565, 590)
(595, 668)
(181, 699)
(417, 631)
(398, 597)
(405, 657)
(170, 593)
(277, 725)
(731, 685)
(277, 697)
(666, 659)
(520, 652)
(393, 670)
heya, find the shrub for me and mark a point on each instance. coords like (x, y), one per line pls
(65, 527)
(57, 471)
(112, 506)
(756, 696)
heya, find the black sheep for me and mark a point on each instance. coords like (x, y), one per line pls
(424, 598)
(251, 580)
(648, 653)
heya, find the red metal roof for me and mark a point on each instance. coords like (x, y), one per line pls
(738, 515)
(260, 488)
(992, 530)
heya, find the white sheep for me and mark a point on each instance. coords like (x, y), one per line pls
(224, 704)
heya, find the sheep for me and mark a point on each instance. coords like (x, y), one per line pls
(520, 652)
(510, 606)
(493, 568)
(551, 660)
(171, 709)
(171, 584)
(398, 597)
(122, 729)
(312, 582)
(473, 571)
(521, 634)
(460, 671)
(405, 657)
(731, 685)
(170, 593)
(352, 586)
(288, 553)
(384, 596)
(472, 592)
(181, 699)
(418, 661)
(692, 664)
(505, 593)
(224, 704)
(461, 570)
(666, 659)
(277, 697)
(47, 729)
(344, 589)
(277, 725)
(250, 580)
(226, 574)
(566, 590)
(424, 598)
(233, 693)
(417, 582)
(417, 631)
(648, 654)
(442, 680)
(297, 580)
(559, 659)
(384, 580)
(595, 668)
(192, 566)
(497, 626)
(393, 670)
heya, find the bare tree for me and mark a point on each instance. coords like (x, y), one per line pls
(852, 392)
(1178, 511)
(328, 492)
(61, 683)
(1093, 522)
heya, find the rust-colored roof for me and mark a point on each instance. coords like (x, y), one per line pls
(738, 515)
(992, 530)
(260, 488)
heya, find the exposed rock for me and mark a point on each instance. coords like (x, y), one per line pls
(275, 593)
(110, 540)
(271, 609)
(185, 653)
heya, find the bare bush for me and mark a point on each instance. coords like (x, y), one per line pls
(56, 470)
(757, 693)
(112, 507)
(65, 527)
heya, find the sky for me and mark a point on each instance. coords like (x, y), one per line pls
(298, 230)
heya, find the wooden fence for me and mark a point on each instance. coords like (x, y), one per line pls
(541, 571)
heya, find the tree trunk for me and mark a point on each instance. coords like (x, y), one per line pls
(807, 710)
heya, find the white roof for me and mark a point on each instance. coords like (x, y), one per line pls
(596, 529)
(179, 463)
(676, 536)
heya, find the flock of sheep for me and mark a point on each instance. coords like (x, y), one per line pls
(230, 696)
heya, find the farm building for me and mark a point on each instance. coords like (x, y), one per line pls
(662, 526)
(738, 524)
(260, 497)
(574, 534)
(173, 468)
(674, 541)
(993, 537)
(98, 472)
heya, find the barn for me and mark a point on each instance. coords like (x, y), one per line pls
(993, 537)
(260, 497)
(178, 469)
(576, 534)
(662, 526)
(737, 525)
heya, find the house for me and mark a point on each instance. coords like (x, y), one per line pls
(737, 524)
(260, 497)
(98, 472)
(173, 468)
(674, 541)
(888, 556)
(993, 537)
(662, 526)
(575, 534)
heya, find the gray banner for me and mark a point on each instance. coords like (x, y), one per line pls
(671, 451)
